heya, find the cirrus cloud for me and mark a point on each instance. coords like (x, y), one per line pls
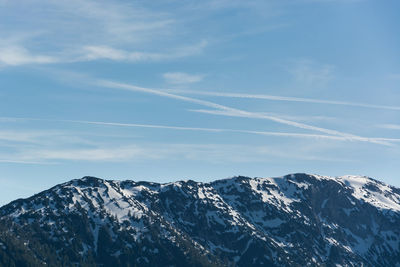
(182, 78)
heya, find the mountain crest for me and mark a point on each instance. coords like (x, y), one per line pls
(294, 220)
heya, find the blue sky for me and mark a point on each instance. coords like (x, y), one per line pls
(171, 90)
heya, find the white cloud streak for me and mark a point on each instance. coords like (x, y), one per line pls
(283, 98)
(90, 53)
(310, 73)
(216, 130)
(47, 147)
(377, 140)
(182, 78)
(35, 136)
(25, 162)
(19, 136)
(212, 153)
(86, 30)
(390, 126)
(282, 134)
(97, 154)
(16, 56)
(29, 138)
(228, 111)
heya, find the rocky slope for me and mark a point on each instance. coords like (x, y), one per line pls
(295, 220)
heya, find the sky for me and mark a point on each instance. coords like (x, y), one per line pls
(173, 90)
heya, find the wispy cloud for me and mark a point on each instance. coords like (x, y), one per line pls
(212, 153)
(96, 154)
(216, 130)
(25, 162)
(15, 56)
(265, 133)
(36, 136)
(311, 73)
(114, 21)
(182, 78)
(20, 136)
(49, 147)
(124, 32)
(341, 136)
(122, 22)
(130, 31)
(29, 138)
(53, 138)
(283, 98)
(10, 119)
(105, 52)
(390, 126)
(229, 111)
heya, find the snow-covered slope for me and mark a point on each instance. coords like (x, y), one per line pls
(295, 220)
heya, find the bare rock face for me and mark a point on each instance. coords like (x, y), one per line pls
(295, 220)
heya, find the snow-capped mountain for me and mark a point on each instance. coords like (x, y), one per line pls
(295, 220)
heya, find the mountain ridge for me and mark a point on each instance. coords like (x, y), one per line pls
(294, 220)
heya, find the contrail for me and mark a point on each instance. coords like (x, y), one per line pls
(216, 130)
(283, 98)
(212, 130)
(26, 162)
(286, 134)
(390, 126)
(228, 111)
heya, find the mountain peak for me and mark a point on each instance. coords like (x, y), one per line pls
(291, 220)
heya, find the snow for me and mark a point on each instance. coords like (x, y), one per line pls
(274, 196)
(200, 193)
(136, 190)
(112, 193)
(282, 242)
(332, 241)
(386, 199)
(129, 205)
(362, 244)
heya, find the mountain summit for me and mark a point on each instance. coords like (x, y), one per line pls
(295, 220)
